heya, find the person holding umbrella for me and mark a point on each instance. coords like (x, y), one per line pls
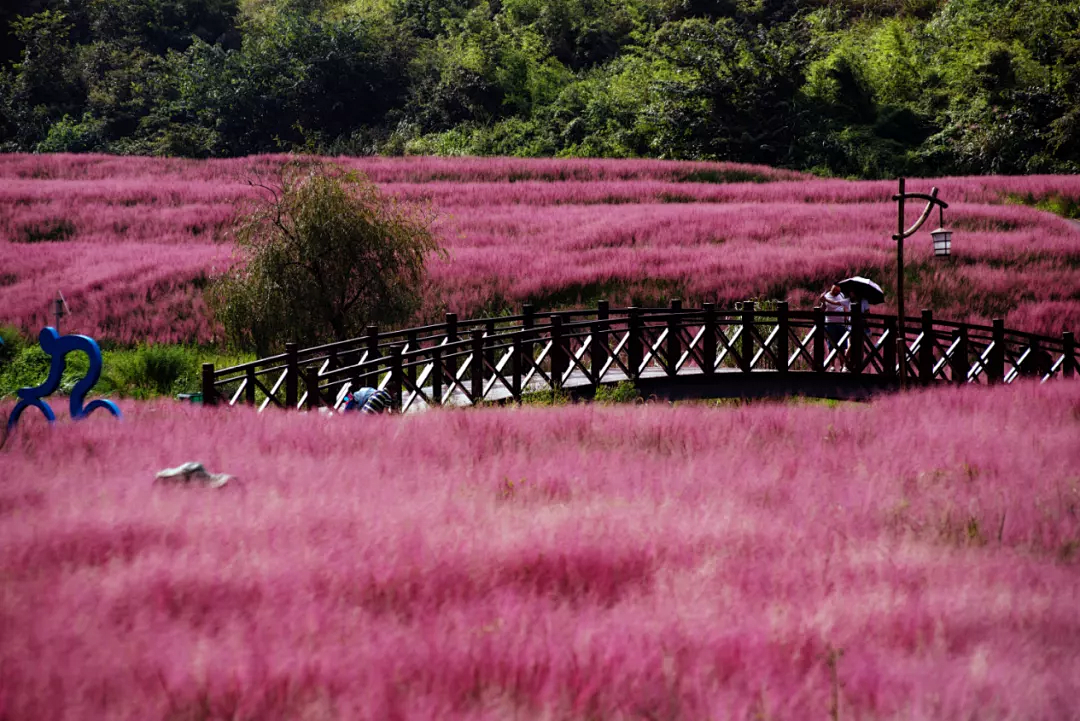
(837, 309)
(864, 293)
(865, 290)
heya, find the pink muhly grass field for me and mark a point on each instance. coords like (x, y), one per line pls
(572, 563)
(131, 241)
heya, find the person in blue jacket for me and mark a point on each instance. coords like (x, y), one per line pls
(368, 400)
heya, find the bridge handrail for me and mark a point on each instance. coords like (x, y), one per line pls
(476, 355)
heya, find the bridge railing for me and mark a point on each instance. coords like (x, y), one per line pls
(495, 359)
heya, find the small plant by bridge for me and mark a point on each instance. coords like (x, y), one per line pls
(673, 352)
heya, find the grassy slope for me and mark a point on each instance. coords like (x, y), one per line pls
(136, 238)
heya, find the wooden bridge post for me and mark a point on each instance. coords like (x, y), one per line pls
(476, 369)
(372, 333)
(516, 359)
(926, 350)
(747, 353)
(209, 396)
(414, 348)
(311, 385)
(436, 375)
(558, 352)
(995, 371)
(249, 386)
(958, 364)
(528, 322)
(633, 342)
(858, 340)
(708, 340)
(819, 338)
(674, 347)
(599, 348)
(451, 337)
(888, 350)
(489, 353)
(783, 336)
(292, 376)
(1068, 346)
(397, 383)
(1033, 354)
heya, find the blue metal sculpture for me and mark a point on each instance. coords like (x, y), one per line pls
(58, 346)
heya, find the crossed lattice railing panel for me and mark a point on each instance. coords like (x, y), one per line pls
(496, 359)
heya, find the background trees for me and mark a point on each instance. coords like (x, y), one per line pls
(862, 87)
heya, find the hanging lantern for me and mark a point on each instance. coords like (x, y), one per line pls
(942, 241)
(942, 238)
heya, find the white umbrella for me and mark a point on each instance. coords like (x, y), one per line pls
(865, 288)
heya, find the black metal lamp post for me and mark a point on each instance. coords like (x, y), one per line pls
(942, 248)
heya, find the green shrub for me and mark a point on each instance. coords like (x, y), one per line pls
(143, 372)
(152, 370)
(30, 367)
(546, 398)
(162, 366)
(11, 342)
(621, 392)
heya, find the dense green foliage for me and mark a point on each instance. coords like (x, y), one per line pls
(326, 254)
(143, 372)
(854, 87)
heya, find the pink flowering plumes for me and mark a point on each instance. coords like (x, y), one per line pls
(915, 558)
(132, 241)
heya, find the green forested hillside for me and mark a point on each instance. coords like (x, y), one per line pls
(855, 87)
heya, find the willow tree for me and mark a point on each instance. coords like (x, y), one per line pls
(323, 253)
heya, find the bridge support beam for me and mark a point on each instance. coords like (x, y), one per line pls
(767, 384)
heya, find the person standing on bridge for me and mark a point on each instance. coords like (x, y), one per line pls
(837, 311)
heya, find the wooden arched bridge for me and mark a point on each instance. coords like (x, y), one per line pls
(672, 352)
